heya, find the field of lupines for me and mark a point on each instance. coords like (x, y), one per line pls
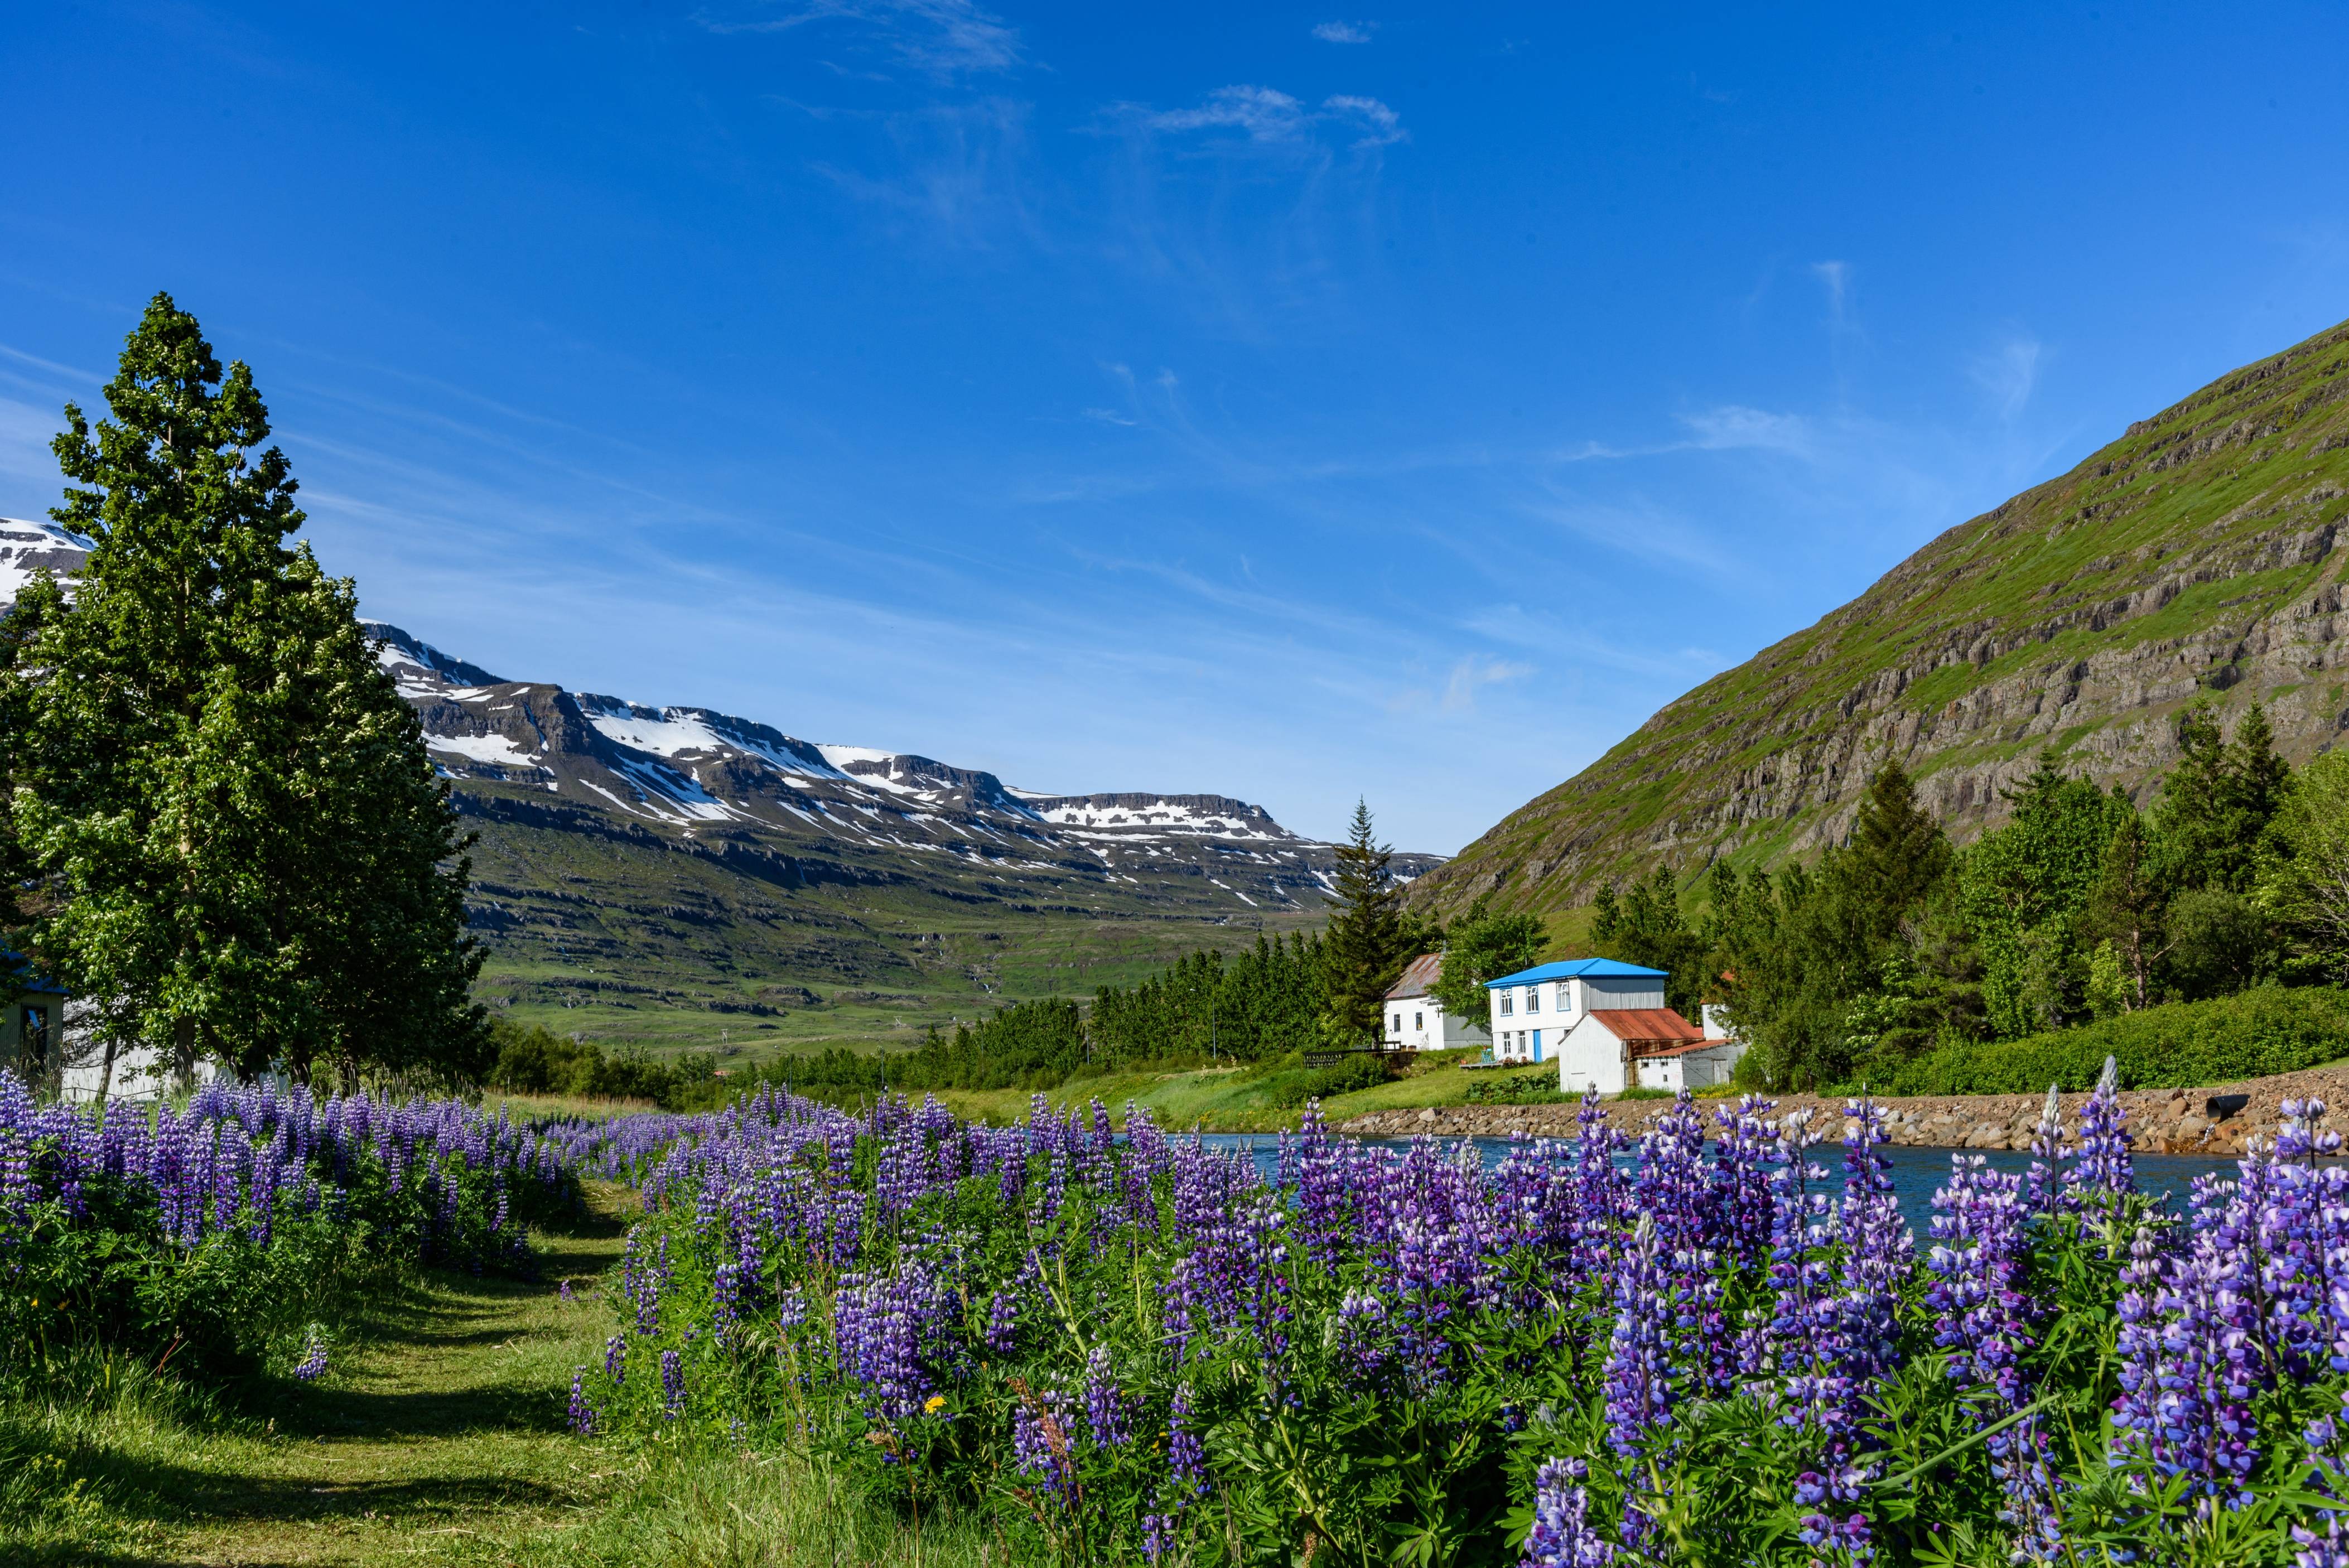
(1122, 1348)
(211, 1238)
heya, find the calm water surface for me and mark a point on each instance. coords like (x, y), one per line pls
(1916, 1173)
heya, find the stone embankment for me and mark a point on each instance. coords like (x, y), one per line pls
(2219, 1119)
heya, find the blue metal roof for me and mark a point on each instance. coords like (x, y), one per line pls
(18, 978)
(1575, 968)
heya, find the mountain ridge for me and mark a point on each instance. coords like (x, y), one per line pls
(2194, 558)
(673, 875)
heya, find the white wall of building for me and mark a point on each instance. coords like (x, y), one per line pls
(1531, 1023)
(1590, 1055)
(1421, 1024)
(1707, 1069)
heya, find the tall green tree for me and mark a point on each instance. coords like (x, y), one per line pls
(1370, 937)
(2128, 905)
(243, 850)
(2023, 890)
(2218, 800)
(1645, 925)
(2304, 879)
(1484, 945)
(1898, 853)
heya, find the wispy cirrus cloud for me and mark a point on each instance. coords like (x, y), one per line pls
(1460, 689)
(1269, 115)
(2008, 374)
(939, 37)
(1344, 32)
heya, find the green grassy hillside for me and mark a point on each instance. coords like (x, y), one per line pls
(650, 940)
(2194, 558)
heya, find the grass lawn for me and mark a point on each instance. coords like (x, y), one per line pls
(438, 1436)
(1220, 1099)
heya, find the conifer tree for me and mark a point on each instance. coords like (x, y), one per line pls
(1371, 935)
(1899, 852)
(242, 849)
(2126, 904)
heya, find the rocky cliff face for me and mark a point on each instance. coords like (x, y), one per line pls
(2195, 559)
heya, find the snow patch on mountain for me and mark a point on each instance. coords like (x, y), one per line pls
(500, 749)
(27, 547)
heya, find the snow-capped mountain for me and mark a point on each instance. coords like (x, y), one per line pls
(27, 547)
(820, 812)
(695, 772)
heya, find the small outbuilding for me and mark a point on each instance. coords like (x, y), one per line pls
(1416, 1021)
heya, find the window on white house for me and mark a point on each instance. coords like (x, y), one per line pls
(1566, 996)
(1398, 1023)
(1419, 1020)
(1508, 1003)
(1533, 999)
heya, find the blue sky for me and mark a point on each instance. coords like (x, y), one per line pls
(1288, 403)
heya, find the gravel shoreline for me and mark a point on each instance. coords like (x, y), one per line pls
(2160, 1120)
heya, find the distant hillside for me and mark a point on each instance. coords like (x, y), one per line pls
(2193, 558)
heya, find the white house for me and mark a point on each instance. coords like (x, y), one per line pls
(1416, 1021)
(1604, 1023)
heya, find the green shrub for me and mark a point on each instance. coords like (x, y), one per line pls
(2270, 1029)
(1289, 1083)
(1515, 1089)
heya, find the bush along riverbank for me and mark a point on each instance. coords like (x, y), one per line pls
(1096, 1349)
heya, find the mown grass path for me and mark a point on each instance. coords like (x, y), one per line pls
(438, 1436)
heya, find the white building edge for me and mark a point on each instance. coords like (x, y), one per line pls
(1416, 1021)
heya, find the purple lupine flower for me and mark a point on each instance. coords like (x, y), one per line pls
(893, 1337)
(1598, 1186)
(1878, 1248)
(1364, 1343)
(1186, 1457)
(1561, 1536)
(2104, 1171)
(1002, 1323)
(2043, 1185)
(616, 1359)
(1985, 1320)
(583, 1414)
(1741, 1178)
(672, 1376)
(1639, 1359)
(1105, 1404)
(313, 1365)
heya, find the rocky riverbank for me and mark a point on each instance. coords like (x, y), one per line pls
(2208, 1121)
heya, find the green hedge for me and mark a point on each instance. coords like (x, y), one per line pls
(2271, 1029)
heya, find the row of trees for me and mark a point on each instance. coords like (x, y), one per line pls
(1280, 996)
(2082, 906)
(221, 830)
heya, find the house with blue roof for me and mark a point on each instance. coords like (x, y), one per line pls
(1606, 1025)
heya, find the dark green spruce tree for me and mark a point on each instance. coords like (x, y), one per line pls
(240, 849)
(1372, 937)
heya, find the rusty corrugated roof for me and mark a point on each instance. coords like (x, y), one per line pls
(1648, 1026)
(1418, 975)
